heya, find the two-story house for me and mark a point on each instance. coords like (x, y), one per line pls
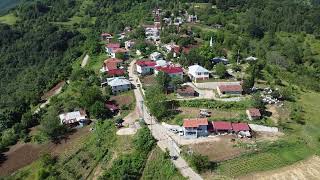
(194, 128)
(197, 72)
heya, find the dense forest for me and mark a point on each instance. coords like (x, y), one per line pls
(38, 51)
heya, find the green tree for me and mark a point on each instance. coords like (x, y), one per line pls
(90, 95)
(99, 111)
(50, 125)
(163, 80)
(247, 84)
(156, 101)
(221, 70)
(176, 82)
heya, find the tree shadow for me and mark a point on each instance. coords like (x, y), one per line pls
(3, 158)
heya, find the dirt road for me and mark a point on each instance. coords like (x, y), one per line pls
(159, 132)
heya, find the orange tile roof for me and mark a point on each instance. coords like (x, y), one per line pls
(196, 122)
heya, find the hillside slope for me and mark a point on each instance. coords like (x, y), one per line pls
(7, 4)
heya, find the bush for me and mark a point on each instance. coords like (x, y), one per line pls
(200, 163)
(130, 166)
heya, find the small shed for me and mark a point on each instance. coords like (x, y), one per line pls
(222, 127)
(187, 91)
(253, 114)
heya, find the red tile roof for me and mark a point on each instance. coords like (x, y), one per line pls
(176, 49)
(222, 125)
(146, 63)
(230, 88)
(116, 72)
(112, 63)
(186, 50)
(113, 60)
(106, 34)
(186, 90)
(113, 45)
(170, 69)
(240, 127)
(119, 50)
(188, 123)
(111, 106)
(254, 112)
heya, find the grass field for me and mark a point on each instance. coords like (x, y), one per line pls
(9, 19)
(302, 142)
(216, 114)
(95, 62)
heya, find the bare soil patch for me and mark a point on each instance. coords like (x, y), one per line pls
(53, 91)
(219, 150)
(71, 142)
(23, 154)
(123, 99)
(19, 156)
(148, 80)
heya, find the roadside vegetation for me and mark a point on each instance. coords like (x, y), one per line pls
(159, 166)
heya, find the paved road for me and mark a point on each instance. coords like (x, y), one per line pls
(159, 132)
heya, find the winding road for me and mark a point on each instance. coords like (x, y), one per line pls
(159, 132)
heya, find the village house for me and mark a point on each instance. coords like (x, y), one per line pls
(111, 46)
(111, 106)
(161, 63)
(144, 67)
(121, 36)
(112, 67)
(116, 51)
(172, 48)
(129, 44)
(152, 32)
(167, 21)
(217, 60)
(251, 58)
(106, 36)
(197, 73)
(241, 129)
(172, 71)
(187, 91)
(194, 128)
(178, 21)
(118, 84)
(76, 118)
(253, 114)
(111, 64)
(192, 18)
(221, 127)
(155, 56)
(224, 90)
